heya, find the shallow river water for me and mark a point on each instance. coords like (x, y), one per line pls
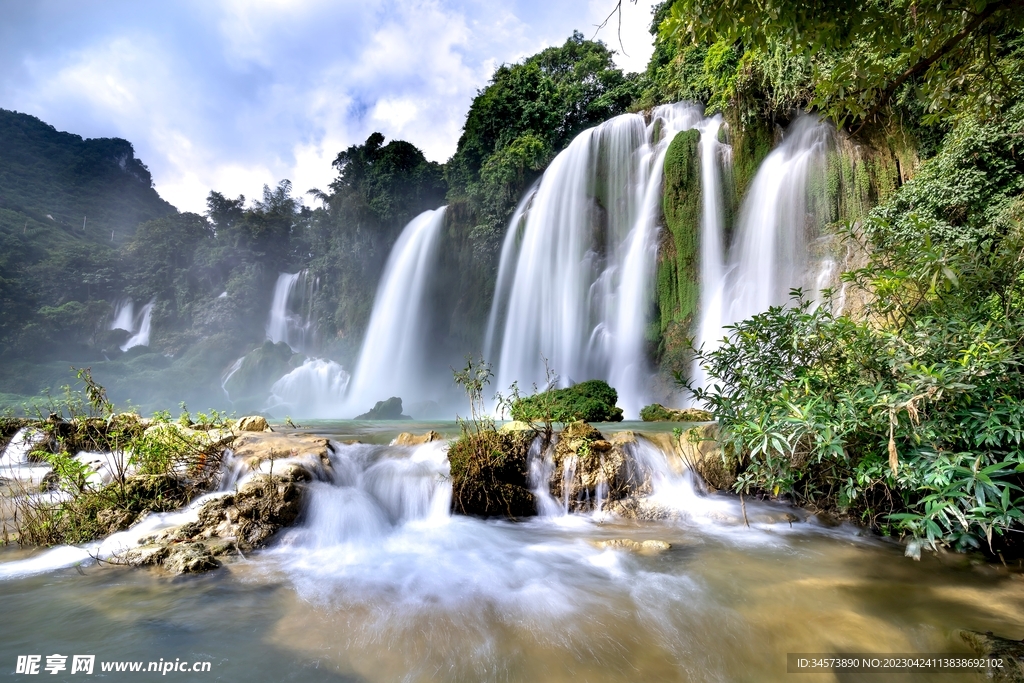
(380, 583)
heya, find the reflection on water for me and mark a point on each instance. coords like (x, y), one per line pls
(378, 583)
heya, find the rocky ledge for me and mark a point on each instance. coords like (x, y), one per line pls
(266, 475)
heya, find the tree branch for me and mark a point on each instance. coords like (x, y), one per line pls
(945, 49)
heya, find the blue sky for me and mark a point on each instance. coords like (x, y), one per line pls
(232, 94)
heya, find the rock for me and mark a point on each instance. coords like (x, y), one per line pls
(659, 413)
(262, 507)
(408, 439)
(253, 423)
(390, 409)
(650, 547)
(273, 452)
(585, 462)
(153, 553)
(516, 426)
(489, 474)
(1010, 651)
(703, 454)
(641, 509)
(250, 381)
(188, 558)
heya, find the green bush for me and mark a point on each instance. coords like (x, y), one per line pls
(590, 401)
(910, 418)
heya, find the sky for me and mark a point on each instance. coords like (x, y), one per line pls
(230, 95)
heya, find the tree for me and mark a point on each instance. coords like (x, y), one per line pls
(866, 54)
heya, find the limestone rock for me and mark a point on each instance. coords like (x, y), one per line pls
(649, 547)
(273, 453)
(409, 439)
(153, 553)
(188, 558)
(587, 466)
(1010, 651)
(390, 409)
(700, 449)
(253, 423)
(659, 413)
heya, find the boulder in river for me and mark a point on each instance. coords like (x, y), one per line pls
(409, 439)
(659, 413)
(390, 409)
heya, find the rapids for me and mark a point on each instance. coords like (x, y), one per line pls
(378, 582)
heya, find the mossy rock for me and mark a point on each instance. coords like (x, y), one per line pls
(590, 401)
(659, 413)
(489, 474)
(259, 369)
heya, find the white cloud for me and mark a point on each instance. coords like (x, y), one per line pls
(236, 94)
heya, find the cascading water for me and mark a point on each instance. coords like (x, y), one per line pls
(124, 316)
(141, 327)
(769, 255)
(313, 390)
(581, 272)
(291, 319)
(392, 361)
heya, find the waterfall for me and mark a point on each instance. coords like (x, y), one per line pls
(141, 328)
(291, 318)
(124, 316)
(576, 284)
(315, 389)
(769, 255)
(393, 355)
(713, 156)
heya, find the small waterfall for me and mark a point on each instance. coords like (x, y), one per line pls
(124, 316)
(575, 288)
(316, 389)
(291, 319)
(392, 361)
(141, 327)
(769, 255)
(713, 156)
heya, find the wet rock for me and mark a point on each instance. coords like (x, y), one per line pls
(516, 426)
(489, 474)
(390, 409)
(262, 507)
(700, 449)
(189, 558)
(641, 509)
(253, 423)
(659, 413)
(1010, 651)
(650, 547)
(409, 439)
(274, 453)
(144, 555)
(589, 466)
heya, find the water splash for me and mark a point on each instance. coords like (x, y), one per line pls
(316, 389)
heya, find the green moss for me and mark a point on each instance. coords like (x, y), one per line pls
(591, 401)
(678, 275)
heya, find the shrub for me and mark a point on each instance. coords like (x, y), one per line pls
(590, 401)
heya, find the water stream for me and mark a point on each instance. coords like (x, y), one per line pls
(378, 582)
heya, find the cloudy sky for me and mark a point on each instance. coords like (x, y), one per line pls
(232, 94)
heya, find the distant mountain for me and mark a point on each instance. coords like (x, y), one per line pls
(61, 178)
